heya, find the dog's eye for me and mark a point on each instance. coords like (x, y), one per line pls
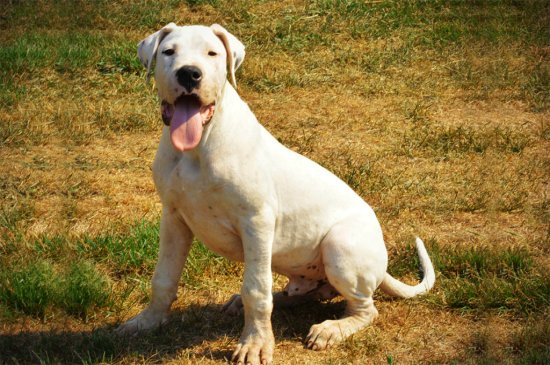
(212, 53)
(168, 52)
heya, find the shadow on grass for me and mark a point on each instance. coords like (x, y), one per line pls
(195, 325)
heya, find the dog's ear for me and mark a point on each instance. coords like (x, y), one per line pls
(147, 48)
(233, 47)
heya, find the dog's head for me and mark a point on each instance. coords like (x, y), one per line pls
(190, 73)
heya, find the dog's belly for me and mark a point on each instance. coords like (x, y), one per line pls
(217, 232)
(299, 262)
(306, 274)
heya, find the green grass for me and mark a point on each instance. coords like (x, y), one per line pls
(80, 281)
(77, 15)
(29, 289)
(293, 32)
(84, 289)
(476, 278)
(35, 287)
(134, 252)
(382, 18)
(68, 53)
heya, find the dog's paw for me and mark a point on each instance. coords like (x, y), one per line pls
(146, 320)
(324, 335)
(254, 350)
(234, 306)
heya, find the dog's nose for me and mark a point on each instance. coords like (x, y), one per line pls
(189, 77)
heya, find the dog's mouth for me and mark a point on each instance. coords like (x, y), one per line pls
(186, 118)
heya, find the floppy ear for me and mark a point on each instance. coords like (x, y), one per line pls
(147, 48)
(233, 47)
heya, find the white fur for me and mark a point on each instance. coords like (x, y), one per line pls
(249, 198)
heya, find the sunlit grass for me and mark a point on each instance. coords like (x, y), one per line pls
(463, 139)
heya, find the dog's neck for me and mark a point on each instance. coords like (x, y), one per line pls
(225, 135)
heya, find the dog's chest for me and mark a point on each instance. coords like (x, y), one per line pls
(201, 200)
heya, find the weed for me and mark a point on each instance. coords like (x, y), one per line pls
(418, 112)
(136, 252)
(84, 289)
(531, 342)
(51, 247)
(12, 215)
(119, 58)
(29, 288)
(450, 141)
(537, 87)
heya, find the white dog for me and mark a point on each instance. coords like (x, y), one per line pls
(224, 179)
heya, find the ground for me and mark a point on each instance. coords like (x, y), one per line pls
(436, 113)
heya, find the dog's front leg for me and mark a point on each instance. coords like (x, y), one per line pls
(175, 241)
(257, 342)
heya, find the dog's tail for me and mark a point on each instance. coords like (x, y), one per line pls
(394, 287)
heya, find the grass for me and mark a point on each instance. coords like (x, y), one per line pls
(463, 139)
(29, 289)
(481, 278)
(34, 288)
(83, 285)
(436, 112)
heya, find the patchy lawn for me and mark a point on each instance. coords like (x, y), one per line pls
(435, 112)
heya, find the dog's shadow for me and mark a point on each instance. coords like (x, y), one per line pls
(202, 330)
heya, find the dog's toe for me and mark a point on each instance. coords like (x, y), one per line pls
(144, 321)
(254, 351)
(324, 335)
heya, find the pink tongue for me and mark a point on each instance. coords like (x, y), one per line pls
(186, 124)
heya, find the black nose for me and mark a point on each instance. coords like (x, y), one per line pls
(189, 77)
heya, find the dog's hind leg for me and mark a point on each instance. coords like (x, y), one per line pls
(234, 306)
(355, 261)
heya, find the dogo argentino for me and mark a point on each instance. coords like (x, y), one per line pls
(224, 179)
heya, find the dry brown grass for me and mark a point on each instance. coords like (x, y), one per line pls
(446, 138)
